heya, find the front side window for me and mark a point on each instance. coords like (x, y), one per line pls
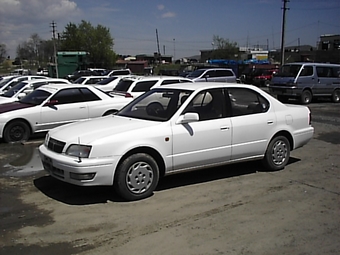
(68, 96)
(245, 101)
(307, 71)
(209, 104)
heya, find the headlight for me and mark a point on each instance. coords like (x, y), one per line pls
(79, 151)
(47, 137)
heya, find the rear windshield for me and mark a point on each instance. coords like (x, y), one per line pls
(123, 85)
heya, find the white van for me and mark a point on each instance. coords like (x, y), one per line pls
(305, 81)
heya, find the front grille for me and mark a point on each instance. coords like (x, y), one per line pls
(55, 145)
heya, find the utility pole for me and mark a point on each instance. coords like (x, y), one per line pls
(284, 8)
(53, 25)
(159, 53)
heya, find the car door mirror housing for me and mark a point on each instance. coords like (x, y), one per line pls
(188, 117)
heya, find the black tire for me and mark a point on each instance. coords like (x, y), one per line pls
(283, 99)
(136, 177)
(16, 131)
(277, 154)
(336, 96)
(306, 97)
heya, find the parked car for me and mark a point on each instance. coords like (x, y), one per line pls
(23, 88)
(305, 81)
(264, 77)
(117, 72)
(137, 85)
(172, 129)
(4, 86)
(75, 75)
(89, 79)
(110, 83)
(213, 74)
(42, 71)
(53, 105)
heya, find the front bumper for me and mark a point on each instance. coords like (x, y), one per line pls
(284, 90)
(84, 172)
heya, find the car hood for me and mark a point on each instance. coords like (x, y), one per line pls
(8, 107)
(99, 128)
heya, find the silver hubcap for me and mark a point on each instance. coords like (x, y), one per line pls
(279, 153)
(139, 177)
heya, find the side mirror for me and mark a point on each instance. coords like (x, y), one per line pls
(188, 117)
(21, 95)
(51, 103)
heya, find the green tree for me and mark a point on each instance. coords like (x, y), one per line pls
(224, 49)
(97, 41)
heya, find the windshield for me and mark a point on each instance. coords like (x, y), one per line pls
(36, 97)
(196, 73)
(156, 104)
(107, 81)
(123, 85)
(79, 80)
(5, 80)
(14, 90)
(289, 70)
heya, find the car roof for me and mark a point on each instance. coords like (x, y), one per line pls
(205, 85)
(54, 87)
(156, 77)
(45, 80)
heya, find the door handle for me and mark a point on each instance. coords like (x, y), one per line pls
(269, 122)
(225, 128)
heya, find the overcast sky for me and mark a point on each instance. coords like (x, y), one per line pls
(184, 26)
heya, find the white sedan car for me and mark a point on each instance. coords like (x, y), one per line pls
(53, 105)
(176, 128)
(23, 88)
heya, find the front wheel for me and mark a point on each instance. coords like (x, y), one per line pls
(277, 154)
(306, 97)
(136, 177)
(16, 131)
(336, 96)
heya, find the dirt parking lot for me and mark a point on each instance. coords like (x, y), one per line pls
(235, 209)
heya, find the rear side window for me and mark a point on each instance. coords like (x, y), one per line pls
(224, 73)
(327, 71)
(143, 86)
(245, 102)
(169, 82)
(89, 95)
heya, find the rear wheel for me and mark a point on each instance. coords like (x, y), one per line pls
(136, 177)
(306, 97)
(16, 131)
(336, 96)
(277, 154)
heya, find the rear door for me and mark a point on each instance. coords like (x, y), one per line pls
(327, 80)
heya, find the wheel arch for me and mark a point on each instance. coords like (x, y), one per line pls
(286, 134)
(108, 112)
(18, 119)
(150, 151)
